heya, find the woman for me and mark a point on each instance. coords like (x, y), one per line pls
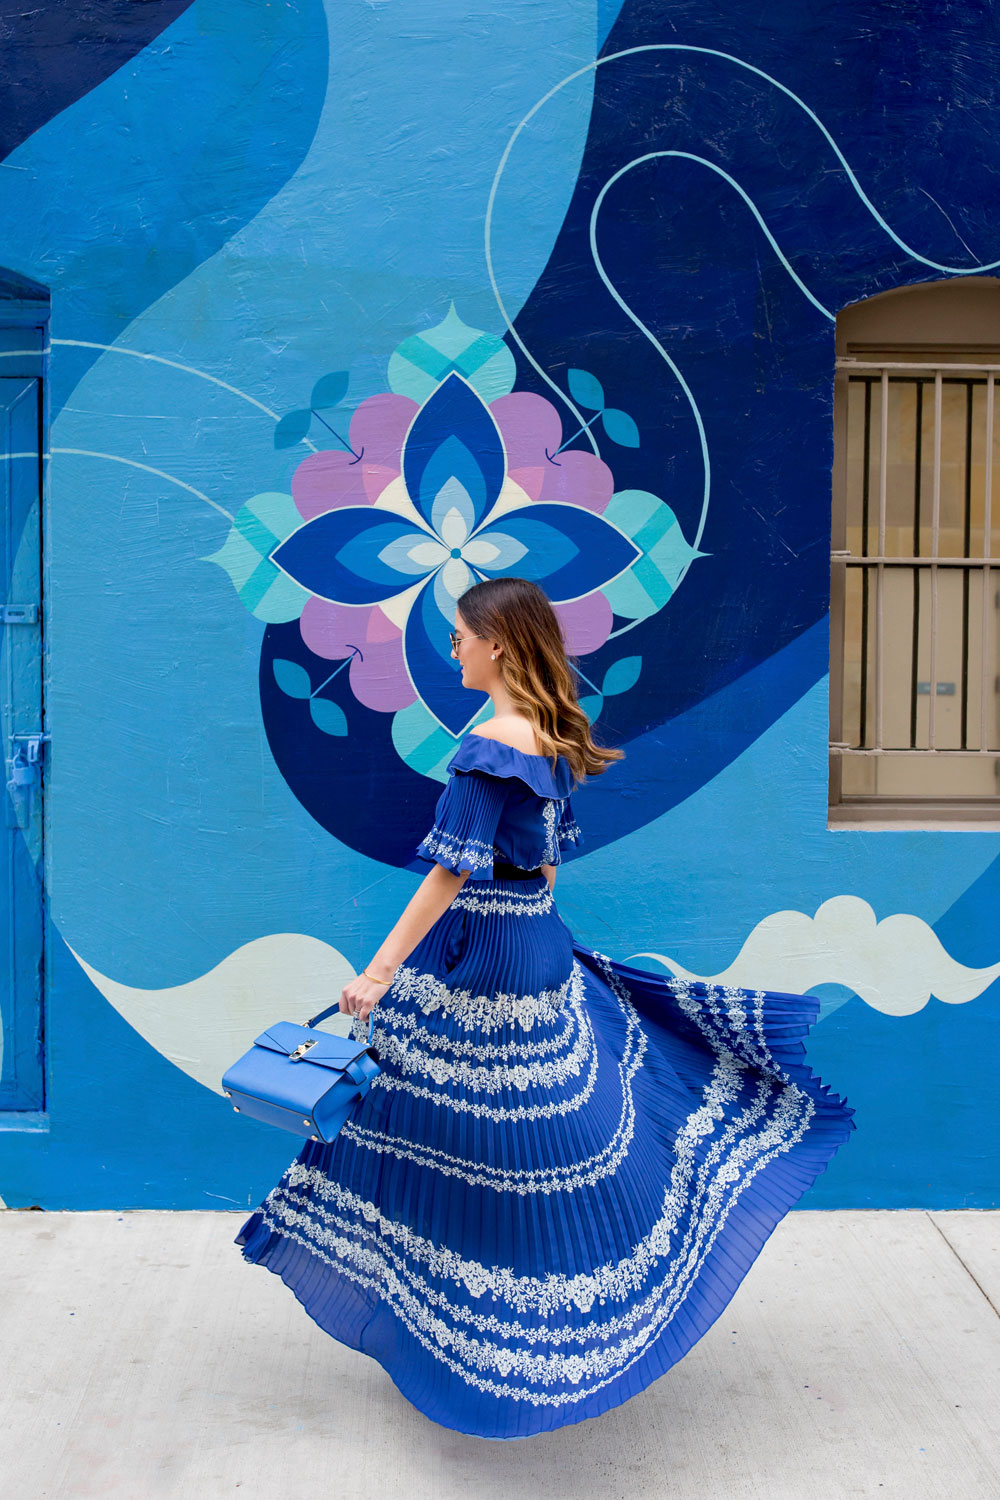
(566, 1166)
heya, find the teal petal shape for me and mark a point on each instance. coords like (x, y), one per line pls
(329, 390)
(621, 675)
(292, 429)
(292, 678)
(620, 428)
(328, 716)
(452, 348)
(665, 553)
(268, 593)
(585, 389)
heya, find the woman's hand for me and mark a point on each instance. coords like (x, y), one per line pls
(361, 996)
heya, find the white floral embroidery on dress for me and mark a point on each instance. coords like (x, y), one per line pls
(541, 1369)
(615, 1281)
(487, 1011)
(526, 1047)
(550, 816)
(505, 903)
(473, 852)
(480, 1111)
(728, 1028)
(556, 1177)
(569, 830)
(612, 1281)
(503, 1078)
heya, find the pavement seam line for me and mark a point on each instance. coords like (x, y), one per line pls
(961, 1262)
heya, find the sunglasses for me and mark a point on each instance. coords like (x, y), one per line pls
(456, 640)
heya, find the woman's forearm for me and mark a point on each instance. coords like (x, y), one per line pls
(549, 871)
(431, 900)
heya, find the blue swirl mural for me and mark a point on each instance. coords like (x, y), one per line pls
(343, 318)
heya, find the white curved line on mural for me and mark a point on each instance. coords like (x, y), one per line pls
(175, 364)
(286, 976)
(648, 333)
(132, 463)
(895, 965)
(740, 63)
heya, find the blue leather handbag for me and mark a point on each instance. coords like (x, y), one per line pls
(302, 1080)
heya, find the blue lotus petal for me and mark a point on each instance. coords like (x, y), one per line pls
(569, 551)
(453, 435)
(452, 496)
(493, 551)
(452, 467)
(544, 550)
(337, 555)
(435, 675)
(415, 554)
(450, 582)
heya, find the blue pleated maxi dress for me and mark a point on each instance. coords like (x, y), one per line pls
(566, 1166)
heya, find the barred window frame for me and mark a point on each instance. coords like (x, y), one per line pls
(947, 773)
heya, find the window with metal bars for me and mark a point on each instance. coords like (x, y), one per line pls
(915, 560)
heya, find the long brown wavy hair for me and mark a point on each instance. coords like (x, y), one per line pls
(536, 671)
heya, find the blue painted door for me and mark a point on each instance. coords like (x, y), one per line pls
(21, 919)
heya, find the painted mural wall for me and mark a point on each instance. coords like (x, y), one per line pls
(354, 303)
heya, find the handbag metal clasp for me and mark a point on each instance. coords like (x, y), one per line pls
(302, 1049)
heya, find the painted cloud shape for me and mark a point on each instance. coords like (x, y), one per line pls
(233, 1002)
(895, 965)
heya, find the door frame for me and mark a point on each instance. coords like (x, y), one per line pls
(24, 354)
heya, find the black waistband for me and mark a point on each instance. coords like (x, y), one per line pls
(503, 871)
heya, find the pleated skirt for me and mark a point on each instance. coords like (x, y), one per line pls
(562, 1174)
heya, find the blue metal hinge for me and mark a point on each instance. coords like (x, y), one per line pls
(18, 614)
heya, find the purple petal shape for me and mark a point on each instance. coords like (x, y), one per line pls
(579, 478)
(325, 481)
(378, 674)
(378, 431)
(586, 623)
(530, 427)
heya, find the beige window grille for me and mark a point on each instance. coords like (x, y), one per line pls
(915, 560)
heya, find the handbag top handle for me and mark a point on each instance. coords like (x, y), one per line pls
(336, 1006)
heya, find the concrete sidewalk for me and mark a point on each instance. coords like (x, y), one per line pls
(144, 1358)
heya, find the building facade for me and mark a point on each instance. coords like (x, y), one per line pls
(695, 309)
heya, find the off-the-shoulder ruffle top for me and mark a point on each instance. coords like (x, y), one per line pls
(501, 804)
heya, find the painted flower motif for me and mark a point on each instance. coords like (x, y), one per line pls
(447, 477)
(470, 496)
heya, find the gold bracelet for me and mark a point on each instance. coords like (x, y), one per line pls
(374, 980)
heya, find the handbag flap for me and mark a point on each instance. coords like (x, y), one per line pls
(328, 1049)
